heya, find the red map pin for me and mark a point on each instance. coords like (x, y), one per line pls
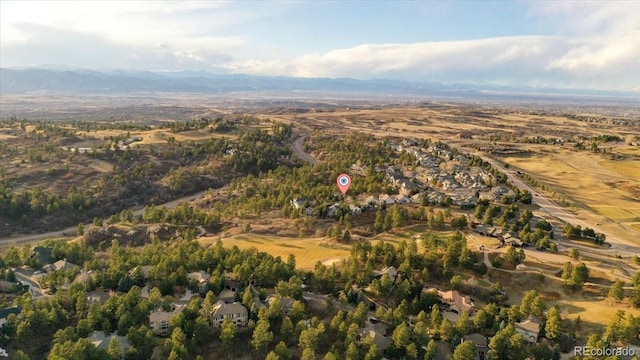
(344, 182)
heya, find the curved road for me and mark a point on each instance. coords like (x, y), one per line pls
(557, 211)
(297, 147)
(18, 239)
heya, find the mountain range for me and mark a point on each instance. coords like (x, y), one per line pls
(83, 81)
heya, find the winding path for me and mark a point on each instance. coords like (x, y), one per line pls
(297, 147)
(19, 239)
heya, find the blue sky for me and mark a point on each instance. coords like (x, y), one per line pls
(565, 44)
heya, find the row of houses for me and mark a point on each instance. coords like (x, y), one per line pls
(221, 311)
(505, 237)
(455, 303)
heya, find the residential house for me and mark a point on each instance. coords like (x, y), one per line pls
(386, 199)
(481, 343)
(59, 265)
(101, 341)
(371, 200)
(455, 301)
(98, 297)
(389, 270)
(4, 314)
(378, 334)
(395, 177)
(407, 187)
(42, 254)
(508, 239)
(285, 302)
(230, 291)
(235, 312)
(144, 292)
(298, 203)
(159, 320)
(529, 329)
(332, 210)
(8, 286)
(143, 270)
(201, 278)
(84, 277)
(309, 211)
(401, 199)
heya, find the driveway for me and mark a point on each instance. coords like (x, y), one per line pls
(25, 277)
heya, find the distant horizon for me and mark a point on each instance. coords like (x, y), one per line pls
(585, 45)
(272, 83)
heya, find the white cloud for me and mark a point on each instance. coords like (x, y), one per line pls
(533, 60)
(597, 44)
(588, 18)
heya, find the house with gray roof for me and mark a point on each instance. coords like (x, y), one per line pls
(529, 328)
(234, 312)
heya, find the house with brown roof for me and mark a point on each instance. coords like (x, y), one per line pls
(529, 328)
(235, 312)
(59, 265)
(455, 301)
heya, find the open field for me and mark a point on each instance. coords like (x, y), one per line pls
(605, 191)
(154, 136)
(307, 251)
(591, 305)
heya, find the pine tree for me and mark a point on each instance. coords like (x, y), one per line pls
(616, 291)
(262, 335)
(552, 327)
(464, 351)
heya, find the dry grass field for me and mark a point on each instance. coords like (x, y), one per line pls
(590, 304)
(308, 251)
(605, 191)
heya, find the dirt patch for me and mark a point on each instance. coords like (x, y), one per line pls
(331, 261)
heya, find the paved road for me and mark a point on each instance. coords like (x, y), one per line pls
(297, 147)
(546, 272)
(557, 211)
(34, 287)
(19, 239)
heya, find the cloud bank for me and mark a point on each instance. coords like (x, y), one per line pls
(594, 45)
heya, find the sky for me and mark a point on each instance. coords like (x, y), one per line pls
(542, 43)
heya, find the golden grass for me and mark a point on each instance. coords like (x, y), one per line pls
(630, 169)
(598, 311)
(308, 251)
(605, 189)
(157, 136)
(589, 307)
(614, 212)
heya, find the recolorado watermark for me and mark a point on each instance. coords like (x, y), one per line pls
(603, 351)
